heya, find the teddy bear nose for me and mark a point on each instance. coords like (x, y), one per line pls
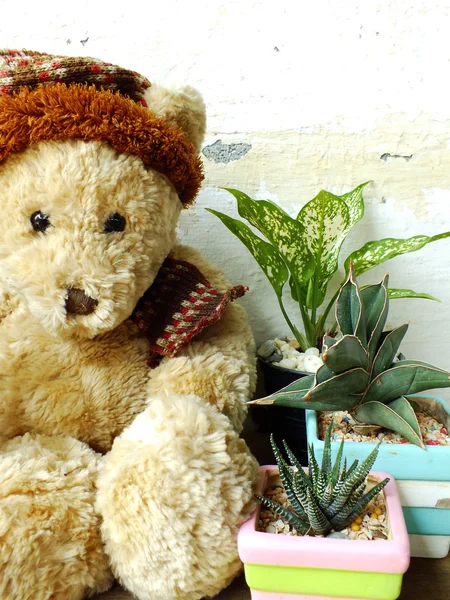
(79, 303)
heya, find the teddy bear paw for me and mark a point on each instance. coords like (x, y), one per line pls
(172, 493)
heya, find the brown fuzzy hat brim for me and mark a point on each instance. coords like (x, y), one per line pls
(59, 112)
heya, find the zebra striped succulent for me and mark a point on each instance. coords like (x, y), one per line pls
(326, 497)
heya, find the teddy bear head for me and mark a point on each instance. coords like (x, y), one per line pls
(95, 166)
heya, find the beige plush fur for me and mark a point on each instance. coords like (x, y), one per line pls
(178, 481)
(174, 490)
(50, 543)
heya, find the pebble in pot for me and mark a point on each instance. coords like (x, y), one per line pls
(287, 355)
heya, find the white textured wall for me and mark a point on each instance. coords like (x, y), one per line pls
(320, 90)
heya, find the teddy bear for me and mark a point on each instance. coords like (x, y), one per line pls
(125, 362)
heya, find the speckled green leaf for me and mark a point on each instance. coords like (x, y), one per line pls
(387, 416)
(395, 293)
(346, 354)
(355, 204)
(327, 222)
(406, 377)
(286, 234)
(388, 350)
(377, 252)
(265, 255)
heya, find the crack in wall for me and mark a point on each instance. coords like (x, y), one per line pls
(386, 156)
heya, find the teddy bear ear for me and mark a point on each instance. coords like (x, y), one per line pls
(183, 107)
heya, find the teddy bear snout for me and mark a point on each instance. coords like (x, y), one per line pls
(79, 303)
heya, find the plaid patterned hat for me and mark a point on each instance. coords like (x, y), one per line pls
(45, 97)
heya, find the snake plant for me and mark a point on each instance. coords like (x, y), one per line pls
(305, 251)
(359, 373)
(326, 497)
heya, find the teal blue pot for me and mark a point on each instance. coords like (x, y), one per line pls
(402, 461)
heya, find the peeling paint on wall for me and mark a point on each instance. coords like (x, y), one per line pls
(225, 153)
(293, 165)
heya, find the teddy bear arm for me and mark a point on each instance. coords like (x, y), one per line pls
(219, 367)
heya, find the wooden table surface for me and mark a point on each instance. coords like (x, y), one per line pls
(426, 580)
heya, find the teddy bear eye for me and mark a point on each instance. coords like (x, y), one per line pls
(114, 222)
(39, 221)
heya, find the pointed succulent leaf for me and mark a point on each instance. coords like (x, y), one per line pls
(328, 342)
(388, 350)
(287, 479)
(285, 514)
(294, 460)
(347, 508)
(326, 219)
(284, 233)
(376, 311)
(375, 302)
(342, 390)
(346, 354)
(403, 407)
(352, 467)
(295, 392)
(376, 252)
(327, 497)
(300, 486)
(321, 484)
(299, 385)
(340, 521)
(326, 457)
(313, 466)
(267, 257)
(317, 519)
(341, 402)
(395, 293)
(350, 310)
(404, 379)
(323, 373)
(283, 468)
(384, 415)
(355, 479)
(337, 465)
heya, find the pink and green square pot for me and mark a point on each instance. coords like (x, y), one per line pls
(281, 567)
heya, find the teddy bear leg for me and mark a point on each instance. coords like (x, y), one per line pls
(172, 493)
(50, 543)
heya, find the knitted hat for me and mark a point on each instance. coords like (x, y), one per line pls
(44, 97)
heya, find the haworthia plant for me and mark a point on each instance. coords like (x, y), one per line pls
(360, 373)
(305, 251)
(327, 497)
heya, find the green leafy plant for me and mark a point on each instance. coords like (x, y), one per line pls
(359, 373)
(304, 251)
(326, 497)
